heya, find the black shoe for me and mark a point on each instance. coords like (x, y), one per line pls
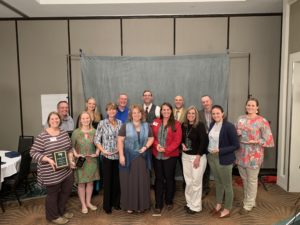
(107, 211)
(189, 211)
(186, 208)
(156, 212)
(170, 206)
(117, 207)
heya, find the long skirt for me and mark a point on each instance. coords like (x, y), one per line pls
(135, 186)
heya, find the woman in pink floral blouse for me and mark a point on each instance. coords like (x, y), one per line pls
(255, 134)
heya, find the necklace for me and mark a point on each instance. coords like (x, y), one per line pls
(187, 132)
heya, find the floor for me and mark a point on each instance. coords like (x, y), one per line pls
(273, 206)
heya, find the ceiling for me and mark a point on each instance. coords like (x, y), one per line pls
(32, 9)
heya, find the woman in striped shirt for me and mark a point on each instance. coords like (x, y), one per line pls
(58, 182)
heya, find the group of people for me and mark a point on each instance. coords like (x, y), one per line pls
(134, 141)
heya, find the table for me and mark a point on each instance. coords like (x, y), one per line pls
(11, 166)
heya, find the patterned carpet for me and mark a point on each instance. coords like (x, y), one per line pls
(273, 206)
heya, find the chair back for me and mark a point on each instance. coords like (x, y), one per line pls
(24, 166)
(25, 143)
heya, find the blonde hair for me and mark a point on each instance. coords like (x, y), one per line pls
(79, 120)
(186, 121)
(140, 108)
(95, 114)
(111, 105)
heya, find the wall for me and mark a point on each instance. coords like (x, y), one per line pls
(44, 44)
(294, 35)
(9, 87)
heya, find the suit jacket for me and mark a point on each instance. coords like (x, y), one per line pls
(183, 111)
(202, 118)
(228, 143)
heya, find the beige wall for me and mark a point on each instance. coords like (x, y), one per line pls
(204, 35)
(148, 37)
(44, 46)
(9, 87)
(43, 50)
(94, 37)
(259, 36)
(294, 36)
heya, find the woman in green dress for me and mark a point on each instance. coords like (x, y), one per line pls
(83, 146)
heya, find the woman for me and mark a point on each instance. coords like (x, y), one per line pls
(134, 141)
(91, 108)
(83, 147)
(106, 141)
(167, 139)
(58, 182)
(194, 149)
(255, 134)
(223, 142)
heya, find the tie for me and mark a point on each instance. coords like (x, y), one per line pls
(176, 114)
(146, 112)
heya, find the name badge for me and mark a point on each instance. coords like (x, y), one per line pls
(53, 139)
(155, 123)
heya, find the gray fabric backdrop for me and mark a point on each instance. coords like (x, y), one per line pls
(190, 76)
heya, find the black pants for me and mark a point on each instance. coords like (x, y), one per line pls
(164, 180)
(57, 197)
(206, 177)
(111, 183)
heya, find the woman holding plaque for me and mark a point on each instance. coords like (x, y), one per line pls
(255, 134)
(167, 139)
(106, 141)
(194, 149)
(223, 142)
(53, 151)
(84, 150)
(134, 141)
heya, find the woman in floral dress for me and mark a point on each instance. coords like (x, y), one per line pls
(83, 146)
(255, 134)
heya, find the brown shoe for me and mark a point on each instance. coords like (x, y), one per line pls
(60, 220)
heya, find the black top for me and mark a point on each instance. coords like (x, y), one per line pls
(198, 137)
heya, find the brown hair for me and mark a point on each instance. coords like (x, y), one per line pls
(53, 113)
(221, 109)
(171, 121)
(147, 91)
(140, 108)
(63, 101)
(257, 104)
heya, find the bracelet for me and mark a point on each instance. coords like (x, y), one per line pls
(146, 146)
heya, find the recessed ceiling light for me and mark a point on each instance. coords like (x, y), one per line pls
(75, 2)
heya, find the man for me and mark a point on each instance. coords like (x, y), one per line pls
(152, 111)
(205, 117)
(67, 123)
(179, 114)
(179, 110)
(122, 110)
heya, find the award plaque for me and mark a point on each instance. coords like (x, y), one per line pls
(188, 144)
(61, 159)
